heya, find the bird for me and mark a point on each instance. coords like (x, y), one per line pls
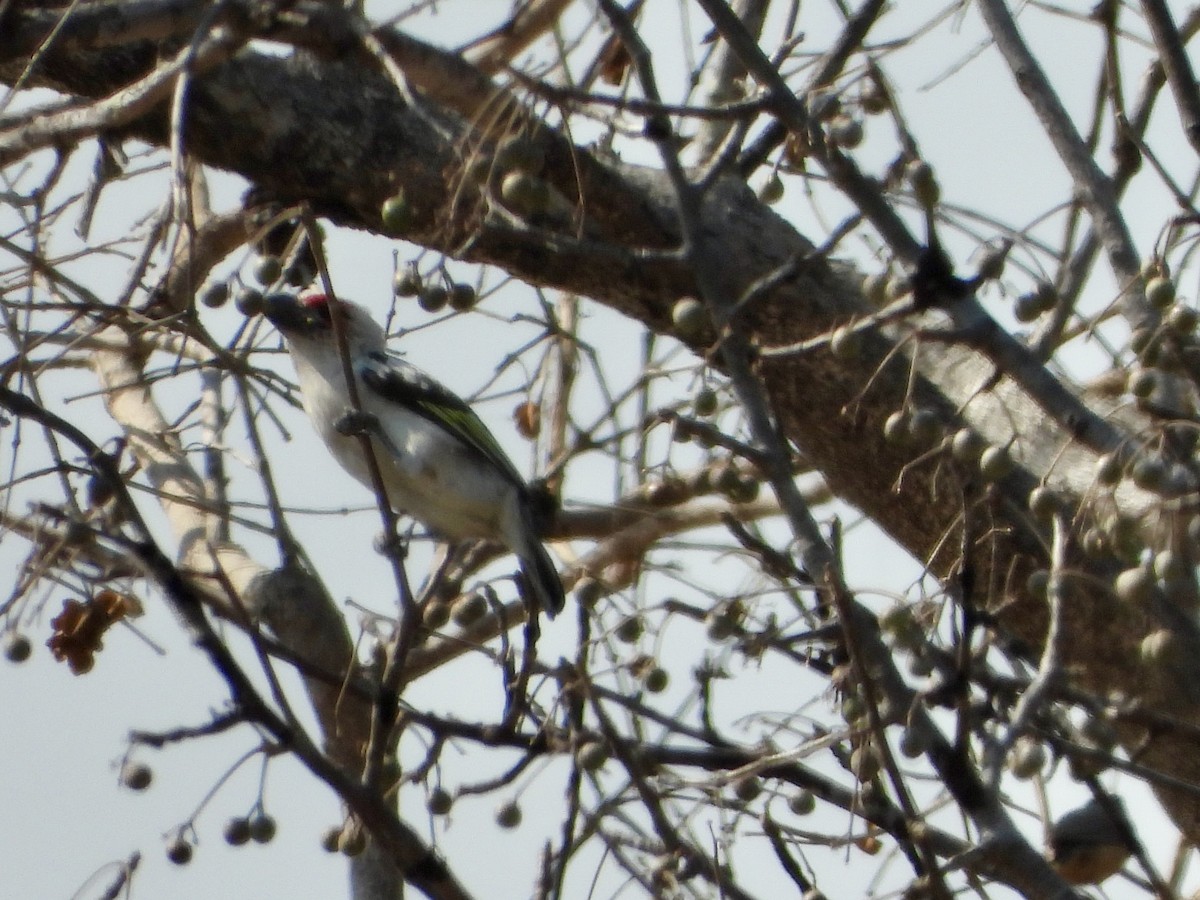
(440, 464)
(1088, 845)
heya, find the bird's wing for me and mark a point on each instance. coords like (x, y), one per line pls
(402, 383)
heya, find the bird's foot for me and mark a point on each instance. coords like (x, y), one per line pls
(355, 421)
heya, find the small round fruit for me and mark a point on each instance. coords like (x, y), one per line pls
(853, 708)
(462, 296)
(874, 288)
(923, 183)
(1026, 759)
(747, 789)
(967, 445)
(525, 194)
(630, 630)
(824, 104)
(704, 403)
(1160, 292)
(771, 190)
(1149, 472)
(913, 743)
(923, 426)
(873, 98)
(136, 776)
(995, 463)
(864, 763)
(846, 343)
(237, 831)
(407, 282)
(1135, 585)
(802, 802)
(846, 131)
(331, 838)
(439, 802)
(469, 609)
(215, 295)
(1158, 646)
(1044, 502)
(1026, 308)
(267, 270)
(508, 816)
(397, 213)
(17, 647)
(352, 841)
(436, 614)
(720, 626)
(433, 297)
(179, 851)
(1142, 383)
(656, 680)
(248, 301)
(1109, 469)
(591, 756)
(689, 317)
(895, 428)
(1182, 319)
(588, 591)
(262, 828)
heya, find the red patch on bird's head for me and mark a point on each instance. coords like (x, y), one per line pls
(314, 300)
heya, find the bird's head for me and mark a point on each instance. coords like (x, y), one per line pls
(307, 321)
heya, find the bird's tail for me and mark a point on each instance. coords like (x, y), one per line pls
(541, 578)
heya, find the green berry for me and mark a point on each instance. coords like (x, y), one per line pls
(407, 281)
(846, 343)
(1135, 585)
(995, 463)
(846, 131)
(525, 194)
(704, 403)
(802, 802)
(771, 190)
(1026, 759)
(591, 756)
(397, 213)
(689, 317)
(469, 609)
(1160, 292)
(923, 183)
(656, 680)
(1109, 469)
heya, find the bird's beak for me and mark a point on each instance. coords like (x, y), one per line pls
(289, 315)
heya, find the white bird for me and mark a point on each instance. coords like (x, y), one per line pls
(439, 462)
